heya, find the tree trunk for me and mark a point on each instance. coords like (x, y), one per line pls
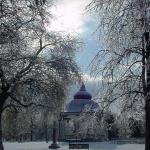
(3, 98)
(1, 142)
(45, 125)
(46, 135)
(147, 98)
(147, 140)
(31, 130)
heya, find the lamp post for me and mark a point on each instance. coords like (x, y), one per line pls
(54, 145)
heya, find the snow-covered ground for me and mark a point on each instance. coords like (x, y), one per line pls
(64, 146)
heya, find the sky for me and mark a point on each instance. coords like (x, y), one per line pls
(70, 16)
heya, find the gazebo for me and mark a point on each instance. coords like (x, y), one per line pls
(67, 125)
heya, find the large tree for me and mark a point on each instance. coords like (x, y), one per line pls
(123, 63)
(35, 65)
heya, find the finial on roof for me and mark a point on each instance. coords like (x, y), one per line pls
(82, 87)
(82, 93)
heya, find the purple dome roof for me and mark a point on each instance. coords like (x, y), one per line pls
(82, 93)
(81, 100)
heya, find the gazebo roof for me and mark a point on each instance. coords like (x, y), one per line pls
(82, 93)
(81, 100)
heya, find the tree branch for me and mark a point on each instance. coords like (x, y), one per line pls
(28, 105)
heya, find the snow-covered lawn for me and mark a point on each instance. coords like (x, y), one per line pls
(64, 146)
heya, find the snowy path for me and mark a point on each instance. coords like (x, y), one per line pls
(64, 146)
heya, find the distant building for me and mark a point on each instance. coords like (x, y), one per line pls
(67, 123)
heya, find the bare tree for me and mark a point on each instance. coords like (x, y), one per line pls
(35, 65)
(124, 62)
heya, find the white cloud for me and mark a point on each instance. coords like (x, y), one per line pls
(88, 78)
(69, 16)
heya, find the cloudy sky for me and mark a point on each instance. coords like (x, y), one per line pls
(70, 16)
